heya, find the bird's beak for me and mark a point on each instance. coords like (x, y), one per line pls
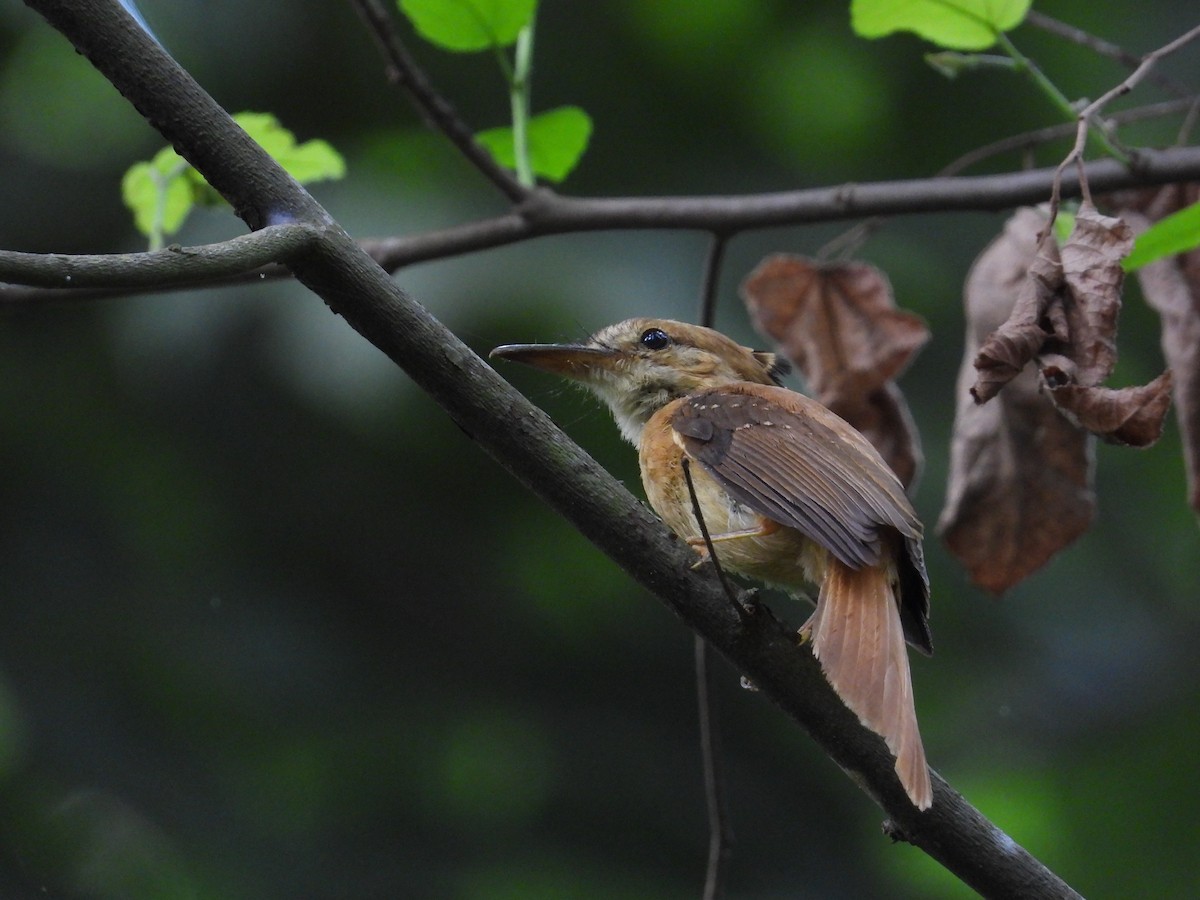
(578, 361)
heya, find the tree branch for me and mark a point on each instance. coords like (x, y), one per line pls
(523, 439)
(173, 266)
(548, 213)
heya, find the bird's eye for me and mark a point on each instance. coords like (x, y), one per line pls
(654, 339)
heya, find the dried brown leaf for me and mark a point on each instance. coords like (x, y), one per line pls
(1033, 275)
(840, 326)
(837, 322)
(1172, 288)
(1093, 277)
(1131, 415)
(1019, 488)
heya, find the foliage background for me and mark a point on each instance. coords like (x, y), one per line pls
(270, 626)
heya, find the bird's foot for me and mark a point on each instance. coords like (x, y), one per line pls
(747, 601)
(804, 635)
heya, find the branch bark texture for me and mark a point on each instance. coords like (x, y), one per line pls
(525, 441)
(172, 266)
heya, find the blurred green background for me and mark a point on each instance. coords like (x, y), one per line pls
(271, 626)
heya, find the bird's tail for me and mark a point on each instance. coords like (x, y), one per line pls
(858, 638)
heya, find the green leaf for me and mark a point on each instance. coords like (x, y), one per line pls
(158, 194)
(163, 191)
(557, 140)
(469, 25)
(313, 160)
(953, 24)
(1177, 233)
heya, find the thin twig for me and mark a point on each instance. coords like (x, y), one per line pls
(1086, 115)
(1037, 137)
(720, 830)
(1102, 47)
(710, 280)
(847, 244)
(720, 833)
(1189, 122)
(437, 111)
(708, 544)
(1137, 75)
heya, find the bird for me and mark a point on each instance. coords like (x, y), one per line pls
(790, 494)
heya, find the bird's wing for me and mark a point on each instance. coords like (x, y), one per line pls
(788, 458)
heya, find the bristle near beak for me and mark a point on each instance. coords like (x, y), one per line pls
(570, 360)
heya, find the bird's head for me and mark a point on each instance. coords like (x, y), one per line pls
(640, 365)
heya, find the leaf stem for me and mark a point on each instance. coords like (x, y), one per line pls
(519, 91)
(162, 186)
(1056, 97)
(1028, 66)
(160, 204)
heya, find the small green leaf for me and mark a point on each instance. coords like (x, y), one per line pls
(1177, 233)
(313, 160)
(158, 194)
(557, 140)
(469, 25)
(953, 24)
(163, 191)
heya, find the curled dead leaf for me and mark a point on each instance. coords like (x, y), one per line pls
(1068, 303)
(1016, 341)
(1093, 277)
(1132, 415)
(1020, 482)
(1092, 281)
(838, 323)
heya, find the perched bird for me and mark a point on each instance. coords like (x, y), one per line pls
(790, 494)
